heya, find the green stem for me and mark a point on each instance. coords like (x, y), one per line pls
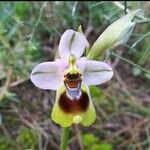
(64, 138)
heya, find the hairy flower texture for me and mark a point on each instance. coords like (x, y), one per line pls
(70, 75)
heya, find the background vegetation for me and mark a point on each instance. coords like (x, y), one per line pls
(30, 34)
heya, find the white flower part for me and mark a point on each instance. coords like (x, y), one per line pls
(46, 75)
(96, 72)
(72, 42)
(62, 64)
(81, 64)
(126, 34)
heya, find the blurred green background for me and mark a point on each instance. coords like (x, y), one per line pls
(30, 34)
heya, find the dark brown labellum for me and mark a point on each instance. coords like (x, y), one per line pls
(74, 106)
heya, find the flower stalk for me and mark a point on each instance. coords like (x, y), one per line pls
(64, 139)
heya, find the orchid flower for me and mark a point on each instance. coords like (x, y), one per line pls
(71, 74)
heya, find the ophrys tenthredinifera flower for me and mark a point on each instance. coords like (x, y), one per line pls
(71, 75)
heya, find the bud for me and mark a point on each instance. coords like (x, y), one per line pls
(116, 34)
(80, 29)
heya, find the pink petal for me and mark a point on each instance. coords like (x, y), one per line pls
(46, 75)
(96, 72)
(72, 42)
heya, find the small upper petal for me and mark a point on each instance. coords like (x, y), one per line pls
(72, 42)
(46, 75)
(96, 72)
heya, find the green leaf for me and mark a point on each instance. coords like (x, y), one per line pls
(22, 8)
(27, 139)
(6, 144)
(96, 93)
(147, 75)
(89, 139)
(136, 71)
(11, 96)
(105, 146)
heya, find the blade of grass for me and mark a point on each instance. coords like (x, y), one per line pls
(139, 40)
(130, 62)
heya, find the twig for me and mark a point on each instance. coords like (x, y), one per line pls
(121, 6)
(118, 58)
(139, 40)
(140, 124)
(15, 83)
(10, 70)
(45, 144)
(130, 62)
(34, 126)
(124, 87)
(132, 129)
(5, 87)
(10, 138)
(38, 20)
(102, 112)
(40, 141)
(74, 8)
(10, 14)
(125, 7)
(78, 133)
